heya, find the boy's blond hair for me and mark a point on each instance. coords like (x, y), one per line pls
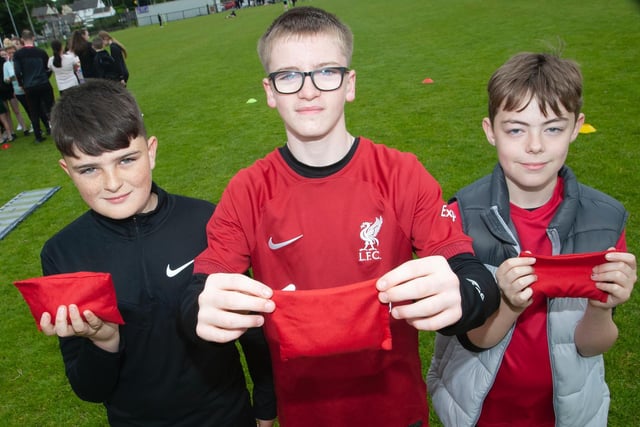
(104, 35)
(551, 80)
(300, 22)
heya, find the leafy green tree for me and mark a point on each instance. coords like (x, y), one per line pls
(17, 9)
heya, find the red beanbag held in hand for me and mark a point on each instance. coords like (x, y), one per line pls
(89, 291)
(567, 276)
(325, 322)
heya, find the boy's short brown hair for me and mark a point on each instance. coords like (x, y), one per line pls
(97, 43)
(95, 117)
(300, 22)
(551, 80)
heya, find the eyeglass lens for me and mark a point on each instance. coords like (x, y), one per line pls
(324, 79)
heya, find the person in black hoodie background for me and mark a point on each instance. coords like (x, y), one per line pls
(81, 46)
(32, 72)
(104, 65)
(118, 53)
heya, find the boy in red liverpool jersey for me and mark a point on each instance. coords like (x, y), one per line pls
(544, 366)
(327, 210)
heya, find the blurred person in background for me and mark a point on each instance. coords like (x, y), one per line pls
(19, 97)
(30, 65)
(81, 46)
(118, 53)
(64, 65)
(6, 93)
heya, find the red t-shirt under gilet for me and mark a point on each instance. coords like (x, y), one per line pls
(522, 393)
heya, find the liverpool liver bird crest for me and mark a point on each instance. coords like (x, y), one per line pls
(368, 233)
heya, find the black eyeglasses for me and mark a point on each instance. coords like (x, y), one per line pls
(325, 79)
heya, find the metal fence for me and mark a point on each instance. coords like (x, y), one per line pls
(150, 18)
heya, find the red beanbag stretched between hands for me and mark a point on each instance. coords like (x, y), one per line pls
(567, 276)
(89, 291)
(325, 322)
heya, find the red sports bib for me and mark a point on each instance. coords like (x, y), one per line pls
(324, 322)
(562, 276)
(89, 291)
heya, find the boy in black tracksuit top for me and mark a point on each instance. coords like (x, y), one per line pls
(145, 372)
(104, 65)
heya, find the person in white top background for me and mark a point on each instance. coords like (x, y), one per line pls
(64, 65)
(19, 97)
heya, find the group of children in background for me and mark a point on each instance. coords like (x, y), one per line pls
(82, 58)
(346, 219)
(65, 64)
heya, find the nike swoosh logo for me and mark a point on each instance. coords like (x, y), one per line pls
(276, 246)
(172, 273)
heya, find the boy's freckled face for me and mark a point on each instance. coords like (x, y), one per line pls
(116, 184)
(532, 148)
(310, 114)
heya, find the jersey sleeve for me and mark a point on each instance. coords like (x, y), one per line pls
(480, 295)
(436, 228)
(227, 251)
(227, 248)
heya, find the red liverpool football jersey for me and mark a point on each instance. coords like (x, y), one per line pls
(317, 233)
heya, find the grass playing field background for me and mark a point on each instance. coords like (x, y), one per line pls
(193, 79)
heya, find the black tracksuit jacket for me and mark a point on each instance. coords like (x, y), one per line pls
(158, 377)
(31, 69)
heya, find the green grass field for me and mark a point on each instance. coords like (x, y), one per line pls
(193, 79)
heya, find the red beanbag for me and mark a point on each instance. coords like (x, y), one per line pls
(562, 276)
(325, 322)
(89, 291)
